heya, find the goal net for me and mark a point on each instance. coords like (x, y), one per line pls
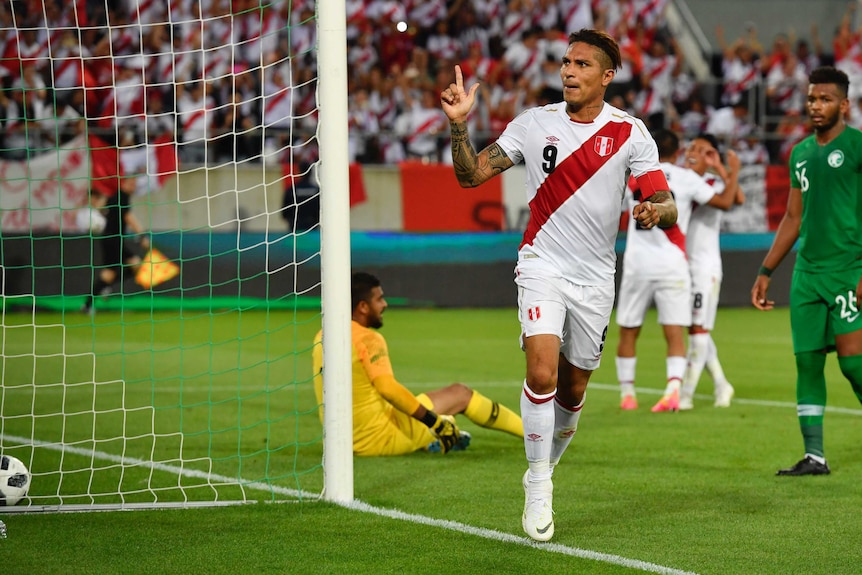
(161, 264)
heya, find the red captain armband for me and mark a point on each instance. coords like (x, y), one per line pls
(652, 182)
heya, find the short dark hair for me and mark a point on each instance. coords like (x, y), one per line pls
(667, 142)
(713, 141)
(361, 284)
(604, 42)
(830, 75)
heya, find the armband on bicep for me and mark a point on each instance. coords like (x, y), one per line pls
(652, 182)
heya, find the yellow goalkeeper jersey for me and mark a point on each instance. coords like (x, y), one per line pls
(378, 427)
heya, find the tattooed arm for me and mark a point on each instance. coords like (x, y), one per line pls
(473, 169)
(659, 210)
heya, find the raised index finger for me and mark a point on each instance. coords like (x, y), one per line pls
(459, 78)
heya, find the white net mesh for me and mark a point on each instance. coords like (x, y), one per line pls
(159, 163)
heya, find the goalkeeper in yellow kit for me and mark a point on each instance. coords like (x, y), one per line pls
(387, 418)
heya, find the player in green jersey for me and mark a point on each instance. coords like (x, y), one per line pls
(824, 212)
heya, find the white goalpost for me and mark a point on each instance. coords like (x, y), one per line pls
(175, 228)
(335, 256)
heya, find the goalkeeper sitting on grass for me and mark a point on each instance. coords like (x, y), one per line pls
(387, 418)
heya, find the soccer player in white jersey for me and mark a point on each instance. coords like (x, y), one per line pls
(704, 258)
(655, 270)
(578, 155)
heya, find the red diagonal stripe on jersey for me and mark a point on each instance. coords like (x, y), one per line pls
(676, 237)
(570, 175)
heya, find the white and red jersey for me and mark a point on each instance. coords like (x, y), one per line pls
(702, 241)
(424, 126)
(515, 23)
(426, 14)
(738, 77)
(357, 18)
(386, 11)
(577, 14)
(657, 77)
(363, 55)
(651, 12)
(576, 179)
(278, 100)
(660, 253)
(478, 70)
(146, 11)
(491, 14)
(787, 86)
(444, 47)
(195, 115)
(258, 34)
(68, 66)
(525, 60)
(126, 101)
(545, 15)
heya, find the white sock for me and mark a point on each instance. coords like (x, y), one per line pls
(698, 348)
(626, 374)
(713, 366)
(816, 458)
(537, 414)
(675, 366)
(565, 426)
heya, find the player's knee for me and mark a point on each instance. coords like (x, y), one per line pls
(541, 380)
(851, 367)
(811, 363)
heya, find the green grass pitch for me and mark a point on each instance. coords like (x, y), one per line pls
(693, 492)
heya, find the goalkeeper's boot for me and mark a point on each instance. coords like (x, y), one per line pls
(538, 518)
(669, 402)
(463, 443)
(806, 466)
(723, 395)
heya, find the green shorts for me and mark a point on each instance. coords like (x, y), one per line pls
(823, 305)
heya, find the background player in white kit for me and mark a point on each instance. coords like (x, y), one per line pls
(704, 259)
(578, 155)
(655, 270)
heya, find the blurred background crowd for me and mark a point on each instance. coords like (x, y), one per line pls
(234, 80)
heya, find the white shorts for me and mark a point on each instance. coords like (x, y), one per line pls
(578, 315)
(672, 299)
(705, 288)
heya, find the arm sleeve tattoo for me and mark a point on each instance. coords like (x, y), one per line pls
(471, 168)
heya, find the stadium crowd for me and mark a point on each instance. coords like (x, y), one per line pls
(210, 75)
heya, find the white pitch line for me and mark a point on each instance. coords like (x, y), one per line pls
(421, 519)
(357, 506)
(246, 389)
(517, 540)
(650, 391)
(736, 400)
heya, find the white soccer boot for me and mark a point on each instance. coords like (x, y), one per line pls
(723, 395)
(538, 518)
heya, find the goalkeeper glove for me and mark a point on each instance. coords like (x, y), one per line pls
(446, 431)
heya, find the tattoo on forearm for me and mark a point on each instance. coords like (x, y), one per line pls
(666, 207)
(459, 132)
(463, 155)
(473, 168)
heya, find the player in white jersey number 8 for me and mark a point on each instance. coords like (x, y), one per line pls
(577, 154)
